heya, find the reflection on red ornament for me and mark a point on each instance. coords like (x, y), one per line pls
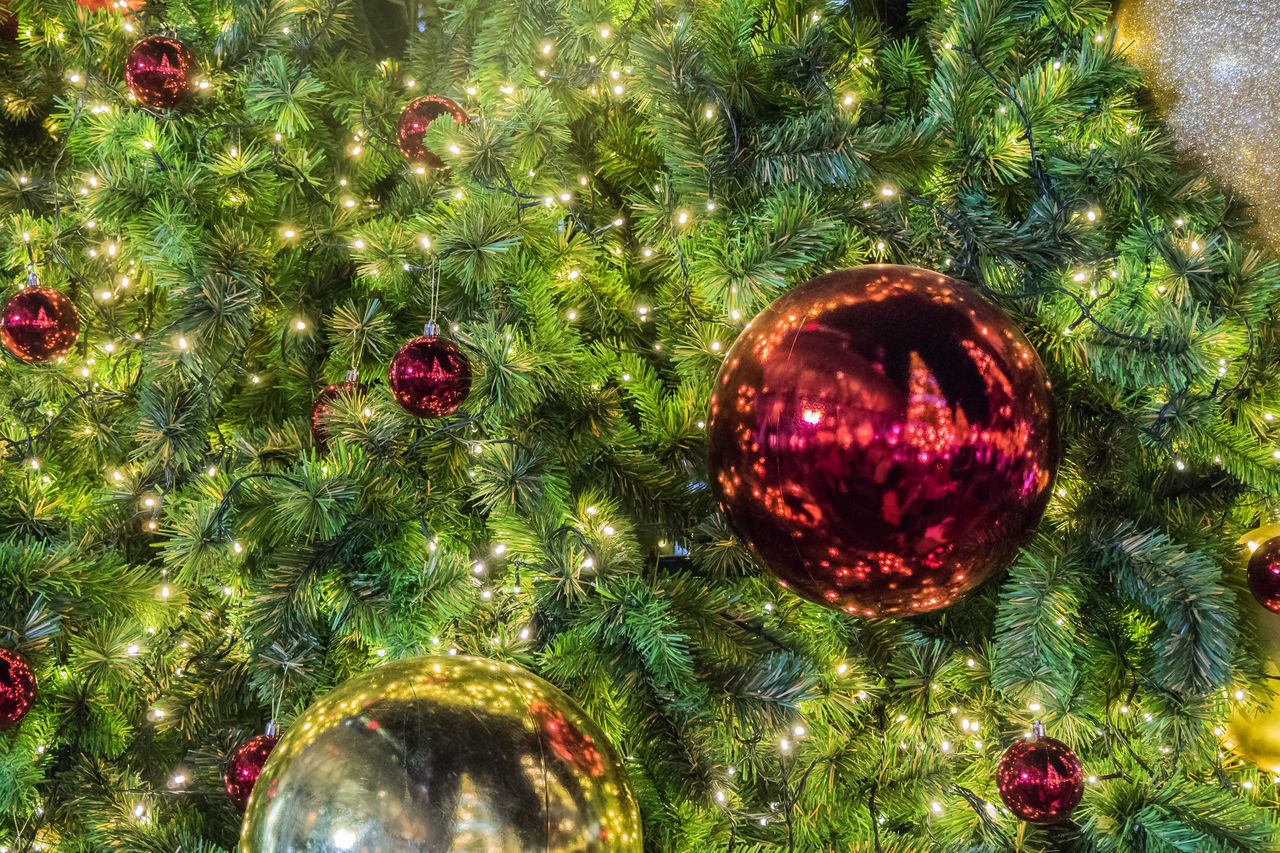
(245, 766)
(430, 376)
(158, 72)
(17, 688)
(413, 127)
(322, 407)
(567, 740)
(1040, 779)
(39, 323)
(1264, 574)
(883, 438)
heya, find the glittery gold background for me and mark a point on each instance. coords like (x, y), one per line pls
(1214, 66)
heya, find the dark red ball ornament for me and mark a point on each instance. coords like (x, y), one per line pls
(1040, 779)
(1264, 574)
(323, 407)
(413, 126)
(39, 323)
(883, 438)
(17, 688)
(158, 72)
(430, 376)
(245, 765)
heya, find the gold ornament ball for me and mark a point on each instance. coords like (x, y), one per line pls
(443, 754)
(1215, 72)
(1254, 732)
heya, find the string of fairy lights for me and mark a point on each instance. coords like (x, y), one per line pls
(953, 732)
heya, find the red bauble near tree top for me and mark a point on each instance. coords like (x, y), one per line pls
(323, 406)
(413, 126)
(39, 323)
(430, 376)
(1040, 779)
(158, 72)
(246, 763)
(883, 438)
(1264, 574)
(17, 688)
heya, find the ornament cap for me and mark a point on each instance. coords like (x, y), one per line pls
(1037, 730)
(272, 729)
(352, 375)
(430, 330)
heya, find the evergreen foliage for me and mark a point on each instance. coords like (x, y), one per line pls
(181, 563)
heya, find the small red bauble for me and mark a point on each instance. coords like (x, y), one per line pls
(1040, 780)
(158, 71)
(323, 406)
(1264, 574)
(430, 376)
(245, 765)
(39, 323)
(17, 688)
(883, 438)
(413, 126)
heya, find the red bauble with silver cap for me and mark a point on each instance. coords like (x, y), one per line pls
(413, 127)
(39, 323)
(1040, 779)
(158, 72)
(17, 688)
(246, 763)
(430, 376)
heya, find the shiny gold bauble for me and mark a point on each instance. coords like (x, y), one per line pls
(1254, 731)
(443, 754)
(1215, 71)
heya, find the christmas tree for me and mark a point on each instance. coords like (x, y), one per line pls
(219, 500)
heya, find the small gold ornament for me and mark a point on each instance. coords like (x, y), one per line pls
(1254, 731)
(443, 753)
(1215, 72)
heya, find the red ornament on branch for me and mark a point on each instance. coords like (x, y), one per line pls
(39, 323)
(17, 688)
(883, 438)
(430, 376)
(1264, 574)
(323, 407)
(246, 763)
(158, 72)
(1040, 779)
(413, 126)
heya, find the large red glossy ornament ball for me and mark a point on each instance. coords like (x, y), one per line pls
(1040, 780)
(883, 438)
(158, 71)
(17, 688)
(1264, 574)
(39, 323)
(430, 376)
(323, 406)
(413, 126)
(245, 765)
